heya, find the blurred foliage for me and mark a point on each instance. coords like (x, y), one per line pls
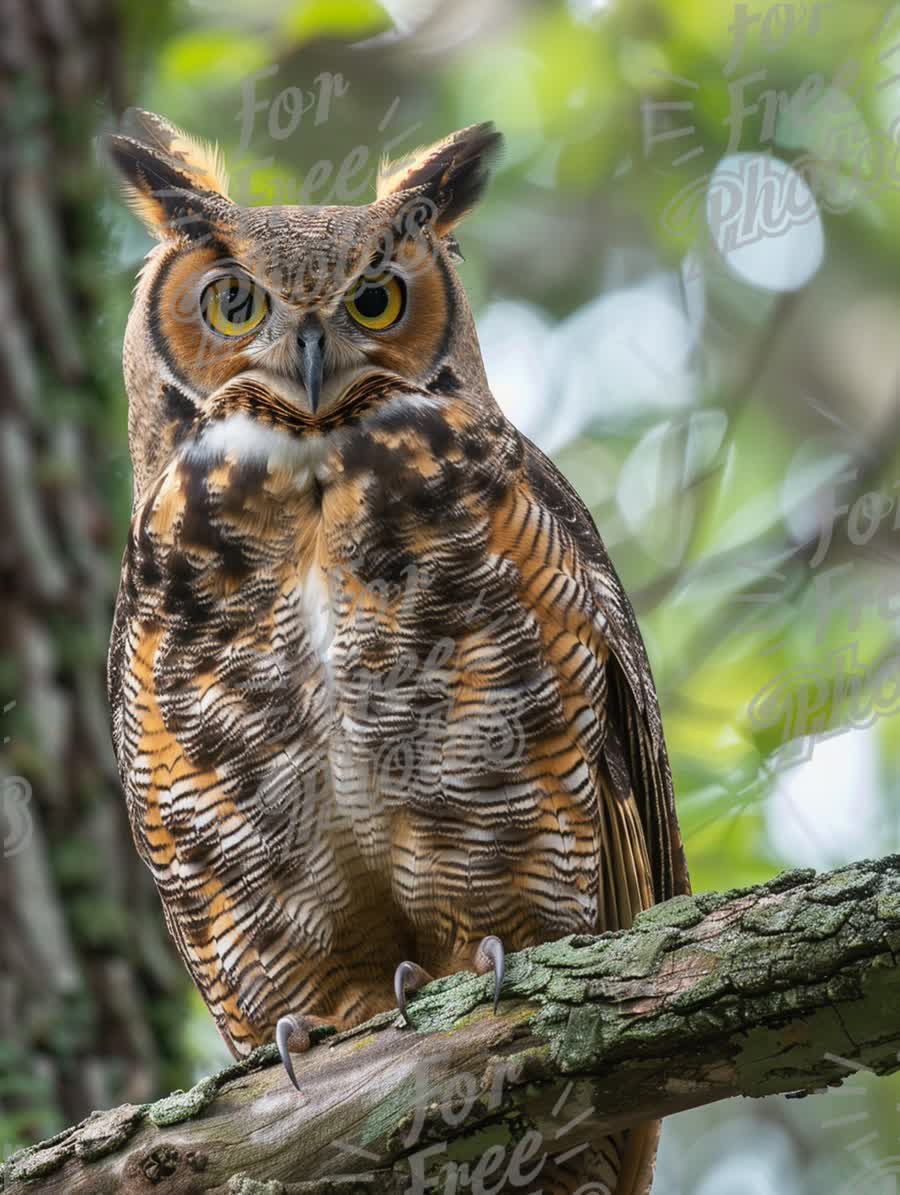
(711, 457)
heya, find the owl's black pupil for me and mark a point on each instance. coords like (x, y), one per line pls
(238, 304)
(372, 302)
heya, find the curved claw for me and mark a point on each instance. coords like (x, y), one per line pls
(491, 955)
(403, 972)
(412, 976)
(284, 1031)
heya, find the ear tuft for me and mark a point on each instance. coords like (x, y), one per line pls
(158, 189)
(452, 173)
(202, 161)
(171, 180)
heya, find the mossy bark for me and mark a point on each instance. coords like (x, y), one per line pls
(752, 992)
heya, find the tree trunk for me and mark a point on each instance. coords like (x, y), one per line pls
(90, 991)
(786, 987)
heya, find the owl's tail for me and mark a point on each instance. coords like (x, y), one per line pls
(619, 1164)
(639, 1161)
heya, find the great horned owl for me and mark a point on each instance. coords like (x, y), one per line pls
(380, 704)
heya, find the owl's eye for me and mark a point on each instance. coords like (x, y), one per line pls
(234, 306)
(378, 303)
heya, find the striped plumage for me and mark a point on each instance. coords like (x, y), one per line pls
(377, 691)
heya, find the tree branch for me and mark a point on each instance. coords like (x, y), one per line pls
(772, 989)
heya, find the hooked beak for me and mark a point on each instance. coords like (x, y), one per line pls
(311, 341)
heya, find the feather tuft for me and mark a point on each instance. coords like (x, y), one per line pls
(201, 160)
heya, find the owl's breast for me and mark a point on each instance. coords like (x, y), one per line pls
(293, 601)
(230, 608)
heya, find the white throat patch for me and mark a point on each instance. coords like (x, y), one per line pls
(245, 439)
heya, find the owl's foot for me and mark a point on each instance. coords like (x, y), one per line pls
(292, 1033)
(490, 956)
(408, 977)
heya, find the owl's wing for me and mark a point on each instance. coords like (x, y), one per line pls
(634, 750)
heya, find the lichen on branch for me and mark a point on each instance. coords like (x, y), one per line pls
(750, 992)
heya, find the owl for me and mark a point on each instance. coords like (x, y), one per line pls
(380, 705)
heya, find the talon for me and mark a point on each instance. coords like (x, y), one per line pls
(412, 977)
(286, 1028)
(293, 1032)
(490, 956)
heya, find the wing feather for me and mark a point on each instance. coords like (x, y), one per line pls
(634, 751)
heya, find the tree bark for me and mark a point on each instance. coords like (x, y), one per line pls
(90, 991)
(787, 987)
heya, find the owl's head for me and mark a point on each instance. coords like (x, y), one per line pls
(297, 303)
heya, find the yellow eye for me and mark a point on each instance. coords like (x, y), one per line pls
(378, 303)
(233, 305)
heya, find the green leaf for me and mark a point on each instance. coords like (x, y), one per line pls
(209, 59)
(321, 18)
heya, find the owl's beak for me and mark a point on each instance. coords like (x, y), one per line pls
(311, 341)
